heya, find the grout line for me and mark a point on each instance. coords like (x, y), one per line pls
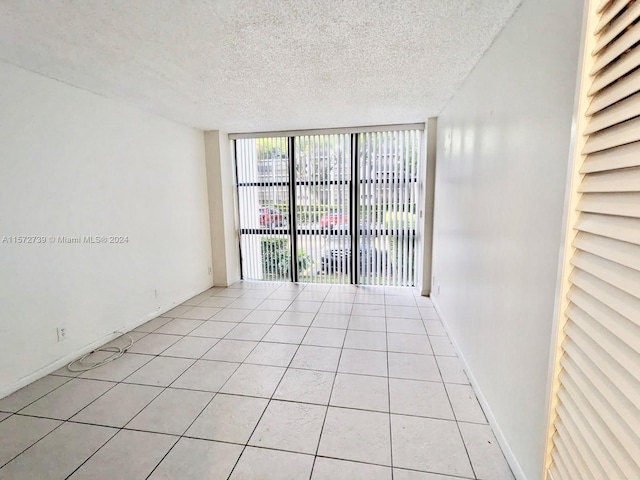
(389, 398)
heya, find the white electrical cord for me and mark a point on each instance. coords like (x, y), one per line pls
(117, 352)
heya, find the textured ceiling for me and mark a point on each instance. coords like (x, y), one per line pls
(256, 65)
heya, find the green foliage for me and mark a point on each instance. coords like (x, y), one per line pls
(276, 258)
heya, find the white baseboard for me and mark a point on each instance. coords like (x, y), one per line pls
(64, 361)
(502, 440)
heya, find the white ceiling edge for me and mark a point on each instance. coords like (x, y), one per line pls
(246, 66)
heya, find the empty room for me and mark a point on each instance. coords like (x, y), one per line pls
(330, 240)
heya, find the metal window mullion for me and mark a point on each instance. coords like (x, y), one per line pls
(354, 217)
(293, 222)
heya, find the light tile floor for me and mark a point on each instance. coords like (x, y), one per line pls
(263, 381)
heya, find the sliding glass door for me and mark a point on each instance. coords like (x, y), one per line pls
(329, 208)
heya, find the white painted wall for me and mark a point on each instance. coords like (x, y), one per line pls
(222, 208)
(502, 160)
(74, 163)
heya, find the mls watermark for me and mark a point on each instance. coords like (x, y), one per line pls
(64, 239)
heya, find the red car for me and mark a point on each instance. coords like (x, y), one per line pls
(334, 219)
(272, 217)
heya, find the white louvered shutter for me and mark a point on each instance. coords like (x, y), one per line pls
(596, 429)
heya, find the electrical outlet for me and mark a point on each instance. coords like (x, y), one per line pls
(62, 333)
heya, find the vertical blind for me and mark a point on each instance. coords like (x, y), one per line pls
(597, 424)
(329, 207)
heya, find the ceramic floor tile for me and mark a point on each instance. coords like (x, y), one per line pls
(356, 435)
(299, 319)
(434, 327)
(68, 399)
(248, 331)
(254, 380)
(192, 459)
(465, 403)
(160, 371)
(18, 433)
(276, 354)
(316, 358)
(230, 350)
(128, 454)
(268, 317)
(371, 324)
(230, 292)
(424, 399)
(363, 310)
(452, 370)
(336, 308)
(228, 418)
(154, 344)
(423, 301)
(400, 474)
(442, 346)
(4, 415)
(361, 340)
(190, 347)
(213, 329)
(303, 306)
(179, 326)
(400, 300)
(231, 315)
(331, 469)
(123, 341)
(405, 325)
(130, 399)
(430, 445)
(428, 313)
(154, 324)
(360, 391)
(281, 294)
(58, 454)
(324, 337)
(306, 386)
(275, 304)
(177, 311)
(290, 426)
(206, 375)
(171, 412)
(265, 464)
(312, 296)
(119, 369)
(246, 303)
(285, 334)
(333, 297)
(405, 343)
(32, 392)
(216, 302)
(364, 362)
(401, 311)
(413, 367)
(369, 299)
(330, 320)
(486, 457)
(200, 313)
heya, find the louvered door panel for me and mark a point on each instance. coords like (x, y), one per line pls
(597, 418)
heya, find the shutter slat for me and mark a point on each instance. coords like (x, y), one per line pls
(620, 112)
(616, 48)
(608, 15)
(619, 157)
(618, 228)
(602, 5)
(619, 301)
(625, 87)
(621, 442)
(574, 466)
(627, 180)
(623, 204)
(617, 27)
(624, 278)
(621, 134)
(628, 62)
(624, 253)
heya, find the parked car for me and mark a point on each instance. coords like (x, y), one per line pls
(271, 217)
(334, 218)
(336, 256)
